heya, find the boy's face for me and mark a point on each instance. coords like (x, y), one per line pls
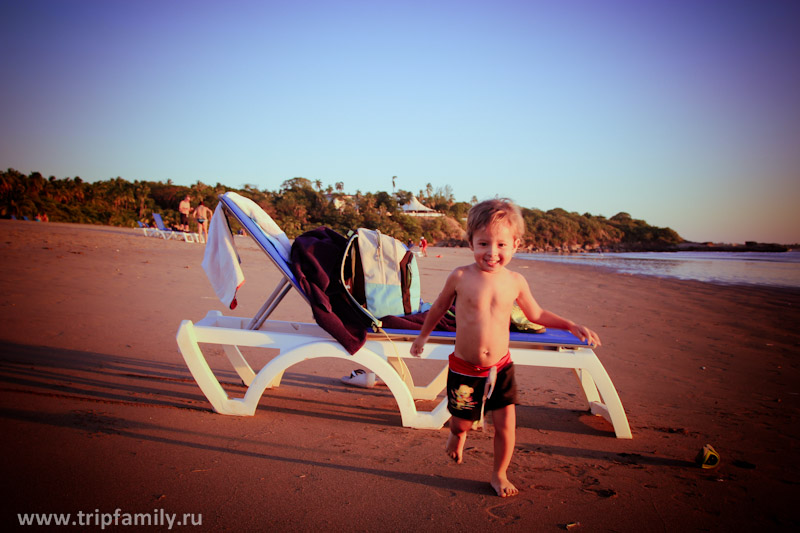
(493, 246)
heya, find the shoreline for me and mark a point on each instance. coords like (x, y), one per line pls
(100, 411)
(685, 268)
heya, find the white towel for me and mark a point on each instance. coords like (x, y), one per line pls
(221, 262)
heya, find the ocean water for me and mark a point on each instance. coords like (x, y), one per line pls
(731, 268)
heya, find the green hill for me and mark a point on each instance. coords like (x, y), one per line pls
(300, 205)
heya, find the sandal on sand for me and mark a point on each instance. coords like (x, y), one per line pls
(360, 378)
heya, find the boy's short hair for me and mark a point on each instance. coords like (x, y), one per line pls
(488, 212)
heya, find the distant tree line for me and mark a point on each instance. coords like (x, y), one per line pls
(300, 205)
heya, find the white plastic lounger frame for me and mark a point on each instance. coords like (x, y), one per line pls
(148, 232)
(168, 234)
(299, 342)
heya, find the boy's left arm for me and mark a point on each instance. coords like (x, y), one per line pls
(535, 313)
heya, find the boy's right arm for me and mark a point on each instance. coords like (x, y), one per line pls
(442, 304)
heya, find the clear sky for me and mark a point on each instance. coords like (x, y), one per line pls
(685, 113)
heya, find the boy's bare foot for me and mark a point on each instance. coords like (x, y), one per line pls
(455, 447)
(503, 487)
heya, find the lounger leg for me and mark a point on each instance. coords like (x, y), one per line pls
(611, 403)
(429, 391)
(276, 381)
(198, 366)
(587, 384)
(272, 372)
(239, 364)
(398, 384)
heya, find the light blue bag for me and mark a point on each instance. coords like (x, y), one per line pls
(381, 275)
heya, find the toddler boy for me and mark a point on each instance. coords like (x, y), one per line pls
(481, 365)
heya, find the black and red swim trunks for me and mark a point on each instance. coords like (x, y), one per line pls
(466, 383)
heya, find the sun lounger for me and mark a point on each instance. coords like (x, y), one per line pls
(383, 353)
(148, 231)
(171, 234)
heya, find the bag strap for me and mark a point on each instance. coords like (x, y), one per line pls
(376, 323)
(405, 280)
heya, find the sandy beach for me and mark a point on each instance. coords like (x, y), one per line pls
(99, 412)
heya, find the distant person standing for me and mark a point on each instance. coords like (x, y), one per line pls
(423, 246)
(203, 216)
(184, 208)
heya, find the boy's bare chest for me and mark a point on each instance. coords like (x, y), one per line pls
(484, 299)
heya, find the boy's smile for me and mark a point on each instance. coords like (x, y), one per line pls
(493, 246)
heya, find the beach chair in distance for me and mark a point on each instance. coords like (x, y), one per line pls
(167, 233)
(382, 353)
(148, 232)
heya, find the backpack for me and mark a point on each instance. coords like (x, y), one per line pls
(380, 275)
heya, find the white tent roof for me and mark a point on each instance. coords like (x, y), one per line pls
(414, 206)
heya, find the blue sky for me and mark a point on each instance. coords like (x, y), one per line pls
(682, 113)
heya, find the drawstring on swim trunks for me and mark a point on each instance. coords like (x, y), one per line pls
(488, 389)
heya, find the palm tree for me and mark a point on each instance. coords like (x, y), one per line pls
(141, 192)
(35, 184)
